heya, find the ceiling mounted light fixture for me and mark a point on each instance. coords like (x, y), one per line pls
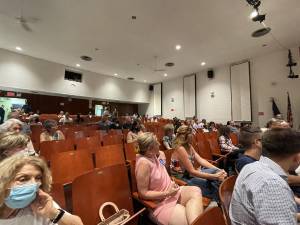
(86, 58)
(178, 47)
(19, 48)
(165, 75)
(116, 74)
(261, 32)
(203, 63)
(77, 65)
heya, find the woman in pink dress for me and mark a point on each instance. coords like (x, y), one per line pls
(175, 205)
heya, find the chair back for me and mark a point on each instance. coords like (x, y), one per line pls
(212, 216)
(112, 139)
(93, 189)
(109, 155)
(48, 148)
(234, 138)
(88, 143)
(225, 193)
(58, 194)
(168, 154)
(130, 151)
(66, 166)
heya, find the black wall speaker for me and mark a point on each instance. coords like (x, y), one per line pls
(210, 74)
(151, 87)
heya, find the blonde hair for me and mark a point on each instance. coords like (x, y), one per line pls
(145, 142)
(168, 127)
(11, 140)
(181, 138)
(10, 166)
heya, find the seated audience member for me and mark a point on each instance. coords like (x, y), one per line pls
(61, 115)
(104, 124)
(15, 125)
(212, 127)
(135, 130)
(225, 140)
(250, 140)
(261, 194)
(177, 124)
(203, 123)
(232, 127)
(66, 119)
(12, 143)
(51, 132)
(207, 176)
(115, 124)
(169, 136)
(79, 118)
(90, 115)
(128, 123)
(35, 120)
(176, 205)
(277, 123)
(24, 194)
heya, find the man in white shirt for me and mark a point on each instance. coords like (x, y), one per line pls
(261, 194)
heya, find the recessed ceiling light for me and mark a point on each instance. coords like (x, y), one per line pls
(178, 47)
(78, 65)
(145, 81)
(165, 75)
(116, 74)
(19, 48)
(254, 14)
(203, 63)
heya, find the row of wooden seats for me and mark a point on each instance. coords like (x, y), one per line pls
(89, 189)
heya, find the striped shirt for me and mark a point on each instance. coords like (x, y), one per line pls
(262, 196)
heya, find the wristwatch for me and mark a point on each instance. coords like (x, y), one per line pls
(57, 218)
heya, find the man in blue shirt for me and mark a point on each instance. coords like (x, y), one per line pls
(250, 139)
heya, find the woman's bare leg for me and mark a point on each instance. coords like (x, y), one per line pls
(178, 216)
(191, 198)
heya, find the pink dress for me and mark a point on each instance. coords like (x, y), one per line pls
(160, 181)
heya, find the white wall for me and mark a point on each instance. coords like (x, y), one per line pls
(31, 74)
(217, 108)
(268, 79)
(173, 90)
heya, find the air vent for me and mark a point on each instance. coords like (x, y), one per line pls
(130, 78)
(261, 32)
(73, 76)
(86, 58)
(169, 64)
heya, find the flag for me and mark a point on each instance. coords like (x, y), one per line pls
(275, 108)
(289, 112)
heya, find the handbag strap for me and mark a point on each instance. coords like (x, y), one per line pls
(104, 205)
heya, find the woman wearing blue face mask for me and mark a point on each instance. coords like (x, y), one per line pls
(24, 199)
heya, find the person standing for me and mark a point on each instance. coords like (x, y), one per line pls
(2, 114)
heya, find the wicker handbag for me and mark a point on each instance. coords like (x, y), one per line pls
(119, 218)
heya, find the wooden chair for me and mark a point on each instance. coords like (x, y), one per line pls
(58, 195)
(225, 193)
(91, 190)
(212, 216)
(88, 143)
(48, 148)
(66, 166)
(130, 151)
(204, 150)
(234, 138)
(112, 140)
(115, 132)
(109, 155)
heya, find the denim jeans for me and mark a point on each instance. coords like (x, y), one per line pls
(209, 188)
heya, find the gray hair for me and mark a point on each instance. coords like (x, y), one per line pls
(9, 123)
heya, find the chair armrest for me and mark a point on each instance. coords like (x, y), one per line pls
(205, 201)
(149, 204)
(178, 181)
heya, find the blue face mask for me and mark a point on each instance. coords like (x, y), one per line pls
(21, 196)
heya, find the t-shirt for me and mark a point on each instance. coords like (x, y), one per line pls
(244, 160)
(27, 217)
